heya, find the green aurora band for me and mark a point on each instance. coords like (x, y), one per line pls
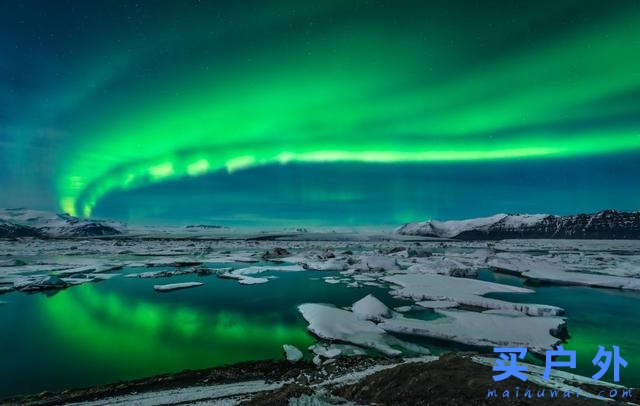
(365, 91)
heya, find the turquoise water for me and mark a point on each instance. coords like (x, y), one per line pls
(122, 329)
(594, 317)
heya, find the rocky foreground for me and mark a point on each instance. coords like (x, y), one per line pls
(462, 379)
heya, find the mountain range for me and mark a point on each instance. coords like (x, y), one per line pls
(606, 224)
(22, 222)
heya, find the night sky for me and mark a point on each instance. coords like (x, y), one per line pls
(320, 113)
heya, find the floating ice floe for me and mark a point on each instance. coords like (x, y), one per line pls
(376, 263)
(151, 274)
(202, 271)
(332, 280)
(484, 329)
(6, 288)
(335, 350)
(39, 283)
(586, 246)
(252, 270)
(11, 262)
(242, 279)
(464, 291)
(332, 264)
(244, 258)
(370, 319)
(443, 266)
(176, 286)
(437, 304)
(174, 263)
(331, 323)
(544, 271)
(243, 275)
(292, 353)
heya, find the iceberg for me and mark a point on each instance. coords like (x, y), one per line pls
(484, 329)
(292, 354)
(176, 286)
(331, 323)
(420, 287)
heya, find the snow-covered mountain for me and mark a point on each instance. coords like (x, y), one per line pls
(33, 223)
(607, 224)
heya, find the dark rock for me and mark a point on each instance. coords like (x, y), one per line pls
(451, 380)
(11, 230)
(90, 229)
(418, 252)
(277, 252)
(51, 282)
(464, 273)
(326, 254)
(394, 250)
(202, 271)
(279, 397)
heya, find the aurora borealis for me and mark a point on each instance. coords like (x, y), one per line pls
(106, 108)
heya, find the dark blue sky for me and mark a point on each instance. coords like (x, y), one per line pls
(329, 112)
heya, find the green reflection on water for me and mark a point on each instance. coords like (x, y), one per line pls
(122, 329)
(108, 327)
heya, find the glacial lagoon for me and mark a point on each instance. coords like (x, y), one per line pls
(122, 329)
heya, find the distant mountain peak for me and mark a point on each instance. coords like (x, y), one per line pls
(22, 222)
(605, 224)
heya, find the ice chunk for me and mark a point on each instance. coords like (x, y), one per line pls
(331, 323)
(292, 353)
(464, 291)
(543, 270)
(334, 350)
(250, 280)
(437, 304)
(370, 308)
(376, 263)
(443, 266)
(484, 329)
(5, 289)
(176, 286)
(38, 283)
(332, 264)
(252, 270)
